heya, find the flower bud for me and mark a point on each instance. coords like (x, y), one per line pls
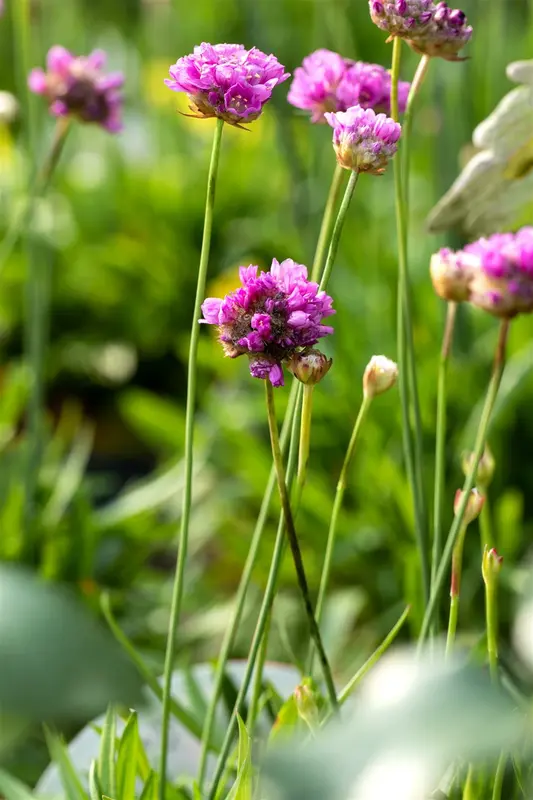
(309, 366)
(450, 275)
(9, 108)
(491, 566)
(485, 470)
(473, 507)
(306, 698)
(380, 374)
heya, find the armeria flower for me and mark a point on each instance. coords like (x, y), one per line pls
(270, 317)
(328, 82)
(363, 140)
(226, 81)
(445, 36)
(495, 274)
(76, 85)
(404, 18)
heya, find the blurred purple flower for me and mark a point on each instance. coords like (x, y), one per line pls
(432, 29)
(76, 85)
(363, 140)
(328, 82)
(494, 273)
(270, 317)
(226, 81)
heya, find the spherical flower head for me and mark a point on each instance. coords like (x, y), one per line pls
(76, 86)
(309, 366)
(328, 82)
(226, 81)
(491, 566)
(494, 273)
(403, 18)
(446, 34)
(270, 318)
(485, 470)
(380, 375)
(474, 506)
(363, 140)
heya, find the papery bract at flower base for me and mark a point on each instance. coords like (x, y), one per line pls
(328, 82)
(363, 140)
(491, 566)
(226, 81)
(474, 506)
(271, 317)
(485, 469)
(494, 273)
(309, 366)
(76, 85)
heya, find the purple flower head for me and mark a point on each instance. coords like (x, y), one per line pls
(363, 140)
(404, 18)
(446, 34)
(226, 81)
(76, 85)
(328, 82)
(270, 318)
(494, 273)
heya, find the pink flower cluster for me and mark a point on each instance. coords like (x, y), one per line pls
(494, 273)
(328, 82)
(76, 85)
(271, 317)
(363, 140)
(226, 81)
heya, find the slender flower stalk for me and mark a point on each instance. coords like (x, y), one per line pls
(305, 442)
(490, 567)
(407, 121)
(337, 229)
(177, 589)
(440, 438)
(257, 684)
(406, 360)
(324, 235)
(481, 436)
(295, 546)
(292, 414)
(499, 776)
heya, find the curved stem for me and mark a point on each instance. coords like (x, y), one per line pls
(337, 505)
(440, 439)
(327, 222)
(337, 229)
(262, 621)
(177, 588)
(481, 437)
(406, 362)
(455, 591)
(498, 778)
(295, 546)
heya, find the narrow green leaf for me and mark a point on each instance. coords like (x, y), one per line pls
(287, 721)
(13, 789)
(150, 789)
(67, 772)
(242, 788)
(106, 769)
(95, 790)
(127, 759)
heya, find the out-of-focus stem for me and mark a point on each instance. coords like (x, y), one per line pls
(327, 221)
(455, 590)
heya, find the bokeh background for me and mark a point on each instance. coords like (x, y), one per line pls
(119, 236)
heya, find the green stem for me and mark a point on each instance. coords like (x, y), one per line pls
(406, 361)
(262, 622)
(407, 122)
(257, 685)
(327, 222)
(373, 659)
(498, 778)
(337, 505)
(295, 546)
(491, 609)
(485, 523)
(481, 437)
(305, 441)
(337, 229)
(440, 443)
(240, 598)
(177, 589)
(455, 591)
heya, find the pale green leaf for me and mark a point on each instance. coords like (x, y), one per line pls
(106, 768)
(67, 772)
(150, 789)
(127, 759)
(242, 788)
(13, 789)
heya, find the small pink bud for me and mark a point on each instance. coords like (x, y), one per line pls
(473, 507)
(380, 374)
(491, 565)
(485, 470)
(309, 366)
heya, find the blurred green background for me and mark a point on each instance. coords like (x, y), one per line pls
(119, 236)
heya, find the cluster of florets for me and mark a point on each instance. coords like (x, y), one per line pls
(76, 86)
(271, 317)
(328, 82)
(432, 29)
(226, 81)
(363, 140)
(494, 273)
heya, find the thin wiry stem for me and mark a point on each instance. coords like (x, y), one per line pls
(324, 236)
